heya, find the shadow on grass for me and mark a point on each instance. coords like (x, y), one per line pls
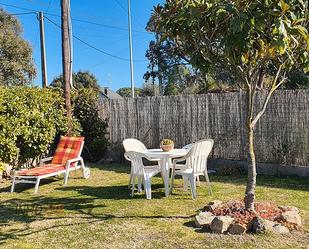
(80, 210)
(284, 182)
(20, 187)
(118, 168)
(121, 192)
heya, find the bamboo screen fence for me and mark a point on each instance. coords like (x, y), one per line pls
(282, 134)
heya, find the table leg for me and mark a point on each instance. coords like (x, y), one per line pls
(165, 175)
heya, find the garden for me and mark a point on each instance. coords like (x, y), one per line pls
(222, 165)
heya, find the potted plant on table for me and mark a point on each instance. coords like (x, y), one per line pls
(167, 145)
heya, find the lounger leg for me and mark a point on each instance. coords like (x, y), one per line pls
(84, 169)
(13, 185)
(208, 182)
(193, 186)
(37, 185)
(66, 177)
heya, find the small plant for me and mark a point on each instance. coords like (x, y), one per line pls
(167, 144)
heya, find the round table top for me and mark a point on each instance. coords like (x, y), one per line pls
(159, 153)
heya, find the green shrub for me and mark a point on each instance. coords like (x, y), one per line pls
(30, 120)
(94, 128)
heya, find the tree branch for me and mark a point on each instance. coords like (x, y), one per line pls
(270, 93)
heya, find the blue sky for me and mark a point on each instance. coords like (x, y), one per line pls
(109, 71)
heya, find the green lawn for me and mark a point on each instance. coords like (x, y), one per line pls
(99, 213)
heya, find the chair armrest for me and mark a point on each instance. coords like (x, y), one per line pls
(74, 160)
(153, 159)
(177, 160)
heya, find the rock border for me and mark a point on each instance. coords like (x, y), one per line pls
(225, 224)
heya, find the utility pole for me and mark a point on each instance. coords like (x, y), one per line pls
(43, 53)
(131, 49)
(66, 62)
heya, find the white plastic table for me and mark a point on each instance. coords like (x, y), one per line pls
(164, 157)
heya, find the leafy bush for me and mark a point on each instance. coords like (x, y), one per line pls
(30, 120)
(94, 128)
(297, 80)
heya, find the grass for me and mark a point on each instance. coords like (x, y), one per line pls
(99, 213)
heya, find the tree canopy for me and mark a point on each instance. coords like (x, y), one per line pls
(16, 63)
(81, 79)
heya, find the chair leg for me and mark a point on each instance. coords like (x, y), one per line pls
(198, 183)
(130, 180)
(37, 185)
(139, 184)
(133, 185)
(193, 186)
(172, 182)
(13, 184)
(185, 183)
(148, 187)
(66, 177)
(208, 182)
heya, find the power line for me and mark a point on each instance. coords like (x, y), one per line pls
(79, 20)
(17, 7)
(93, 47)
(49, 4)
(24, 13)
(126, 11)
(121, 6)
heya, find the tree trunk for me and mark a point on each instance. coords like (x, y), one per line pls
(251, 181)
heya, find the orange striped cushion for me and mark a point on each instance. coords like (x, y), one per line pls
(67, 148)
(42, 170)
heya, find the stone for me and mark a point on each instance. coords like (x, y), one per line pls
(269, 225)
(213, 205)
(237, 229)
(220, 224)
(203, 219)
(289, 208)
(277, 228)
(292, 217)
(257, 225)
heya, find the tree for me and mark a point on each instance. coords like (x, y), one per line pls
(16, 63)
(247, 37)
(297, 80)
(94, 129)
(148, 89)
(126, 92)
(81, 79)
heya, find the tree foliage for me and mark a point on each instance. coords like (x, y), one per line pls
(250, 38)
(30, 120)
(94, 129)
(126, 92)
(148, 89)
(81, 79)
(16, 63)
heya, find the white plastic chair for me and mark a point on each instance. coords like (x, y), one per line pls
(196, 164)
(132, 144)
(185, 165)
(143, 173)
